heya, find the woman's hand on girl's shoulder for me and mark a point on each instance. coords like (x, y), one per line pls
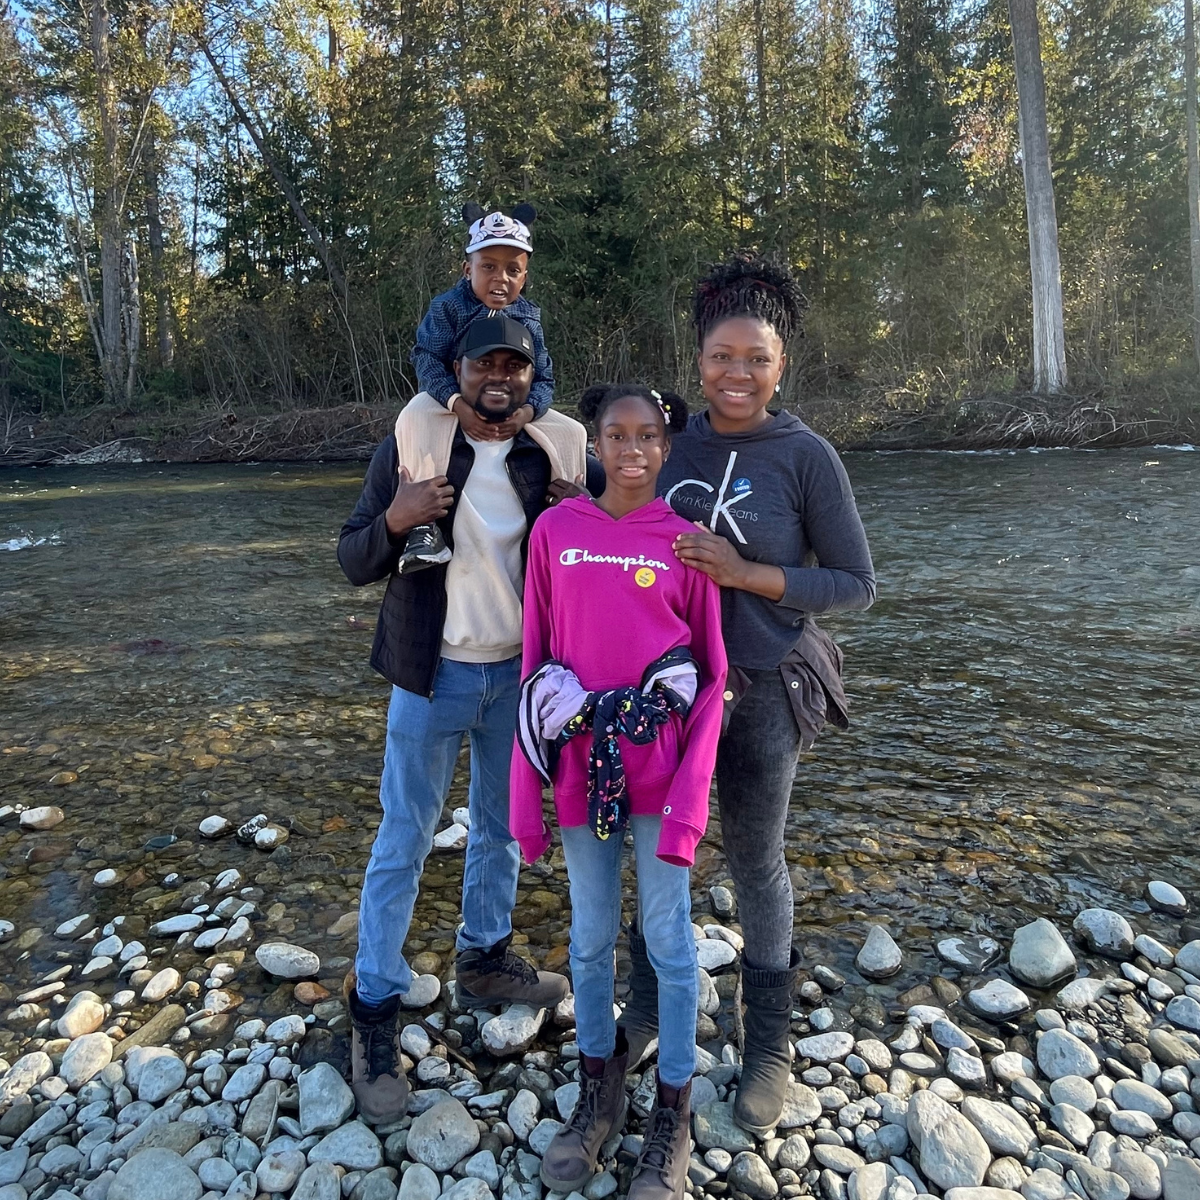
(719, 560)
(712, 554)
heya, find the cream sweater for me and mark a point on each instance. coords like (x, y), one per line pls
(425, 432)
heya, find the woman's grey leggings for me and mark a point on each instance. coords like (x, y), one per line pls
(756, 764)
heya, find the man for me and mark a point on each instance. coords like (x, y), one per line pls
(449, 641)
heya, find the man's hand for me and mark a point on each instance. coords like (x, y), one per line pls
(474, 426)
(417, 503)
(562, 489)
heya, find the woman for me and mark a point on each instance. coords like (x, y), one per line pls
(781, 535)
(620, 711)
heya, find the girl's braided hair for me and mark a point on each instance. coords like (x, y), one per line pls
(599, 396)
(748, 285)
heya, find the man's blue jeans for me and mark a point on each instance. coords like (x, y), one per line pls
(423, 741)
(665, 920)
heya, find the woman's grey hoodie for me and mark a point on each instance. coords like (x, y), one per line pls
(780, 494)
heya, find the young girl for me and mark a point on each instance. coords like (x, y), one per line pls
(624, 668)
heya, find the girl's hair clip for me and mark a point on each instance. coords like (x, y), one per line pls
(659, 401)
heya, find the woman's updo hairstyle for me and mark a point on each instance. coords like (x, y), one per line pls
(747, 285)
(599, 396)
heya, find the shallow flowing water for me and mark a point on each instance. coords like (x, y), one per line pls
(179, 641)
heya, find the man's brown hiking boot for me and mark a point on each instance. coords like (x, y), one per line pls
(486, 978)
(376, 1074)
(662, 1165)
(570, 1159)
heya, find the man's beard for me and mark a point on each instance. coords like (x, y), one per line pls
(490, 415)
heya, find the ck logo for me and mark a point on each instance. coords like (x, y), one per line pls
(726, 495)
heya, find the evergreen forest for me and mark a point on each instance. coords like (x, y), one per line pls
(221, 220)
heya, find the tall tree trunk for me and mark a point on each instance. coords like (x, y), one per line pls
(1049, 348)
(108, 202)
(1193, 165)
(131, 315)
(5, 388)
(164, 331)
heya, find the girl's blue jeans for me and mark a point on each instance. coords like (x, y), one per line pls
(665, 920)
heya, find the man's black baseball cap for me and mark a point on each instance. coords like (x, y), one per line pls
(485, 334)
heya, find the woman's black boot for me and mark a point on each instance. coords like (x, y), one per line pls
(767, 1055)
(640, 1018)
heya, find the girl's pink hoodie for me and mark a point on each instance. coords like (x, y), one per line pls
(607, 597)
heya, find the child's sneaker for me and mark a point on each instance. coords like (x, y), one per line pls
(424, 547)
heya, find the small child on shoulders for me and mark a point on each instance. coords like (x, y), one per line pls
(494, 272)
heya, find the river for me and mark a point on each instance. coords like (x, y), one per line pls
(179, 641)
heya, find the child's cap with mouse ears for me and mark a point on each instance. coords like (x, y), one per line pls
(499, 229)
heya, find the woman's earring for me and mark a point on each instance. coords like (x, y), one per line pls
(777, 387)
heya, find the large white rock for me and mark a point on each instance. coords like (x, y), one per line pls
(1181, 1179)
(1079, 993)
(286, 961)
(524, 1112)
(1104, 932)
(84, 1059)
(513, 1031)
(160, 1077)
(1185, 1011)
(1040, 955)
(325, 1099)
(161, 985)
(982, 1193)
(442, 1136)
(870, 1182)
(244, 1082)
(1002, 1127)
(352, 1146)
(879, 957)
(155, 1174)
(85, 1014)
(712, 954)
(1061, 1053)
(280, 1170)
(965, 1068)
(215, 826)
(45, 817)
(320, 1181)
(952, 1151)
(422, 991)
(181, 923)
(974, 954)
(998, 999)
(1166, 898)
(28, 1070)
(454, 837)
(470, 1188)
(801, 1106)
(419, 1183)
(1132, 1093)
(750, 1176)
(286, 1029)
(826, 1047)
(75, 926)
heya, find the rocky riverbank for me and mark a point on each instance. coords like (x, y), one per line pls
(1060, 1070)
(869, 418)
